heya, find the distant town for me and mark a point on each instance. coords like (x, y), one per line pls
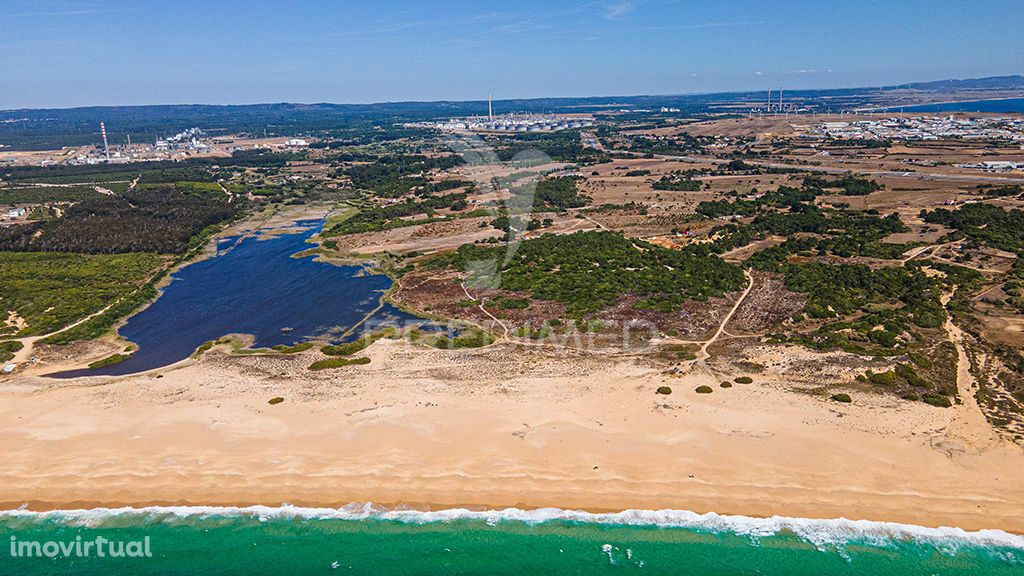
(922, 128)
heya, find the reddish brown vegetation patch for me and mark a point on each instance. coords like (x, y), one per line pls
(693, 321)
(767, 305)
(438, 292)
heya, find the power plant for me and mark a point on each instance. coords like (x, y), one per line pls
(774, 107)
(106, 148)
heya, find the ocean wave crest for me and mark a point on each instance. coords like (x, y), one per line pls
(819, 532)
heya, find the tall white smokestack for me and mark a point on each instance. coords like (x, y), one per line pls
(490, 109)
(106, 149)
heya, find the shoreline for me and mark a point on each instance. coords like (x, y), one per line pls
(827, 530)
(750, 506)
(496, 428)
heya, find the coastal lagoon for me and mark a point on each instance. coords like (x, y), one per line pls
(255, 285)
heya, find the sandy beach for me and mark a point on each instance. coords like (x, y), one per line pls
(492, 428)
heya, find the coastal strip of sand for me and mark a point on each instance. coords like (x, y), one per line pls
(493, 428)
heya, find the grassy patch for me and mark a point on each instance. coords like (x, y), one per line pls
(350, 348)
(338, 363)
(203, 348)
(110, 360)
(590, 271)
(8, 348)
(471, 337)
(940, 400)
(678, 352)
(294, 349)
(51, 290)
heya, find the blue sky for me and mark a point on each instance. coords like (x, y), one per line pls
(59, 53)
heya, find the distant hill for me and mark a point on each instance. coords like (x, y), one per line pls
(37, 129)
(990, 83)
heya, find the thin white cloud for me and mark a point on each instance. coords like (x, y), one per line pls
(614, 11)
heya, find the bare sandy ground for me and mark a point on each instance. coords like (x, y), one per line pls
(491, 428)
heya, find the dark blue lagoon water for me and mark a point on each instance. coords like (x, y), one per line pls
(255, 286)
(1005, 105)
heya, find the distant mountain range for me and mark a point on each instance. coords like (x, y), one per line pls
(28, 129)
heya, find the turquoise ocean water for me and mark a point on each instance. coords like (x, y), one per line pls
(363, 540)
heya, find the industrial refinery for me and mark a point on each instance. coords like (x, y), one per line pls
(508, 122)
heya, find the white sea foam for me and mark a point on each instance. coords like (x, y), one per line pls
(819, 532)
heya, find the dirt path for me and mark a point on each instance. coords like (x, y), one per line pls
(968, 427)
(702, 354)
(595, 222)
(28, 342)
(484, 310)
(920, 250)
(970, 266)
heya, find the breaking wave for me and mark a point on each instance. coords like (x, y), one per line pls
(821, 533)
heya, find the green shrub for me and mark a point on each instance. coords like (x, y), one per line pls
(704, 390)
(887, 378)
(203, 348)
(338, 363)
(110, 361)
(469, 338)
(8, 348)
(743, 380)
(936, 400)
(664, 390)
(841, 397)
(908, 373)
(300, 347)
(726, 384)
(275, 400)
(350, 348)
(533, 333)
(513, 303)
(919, 360)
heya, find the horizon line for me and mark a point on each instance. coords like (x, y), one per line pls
(445, 101)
